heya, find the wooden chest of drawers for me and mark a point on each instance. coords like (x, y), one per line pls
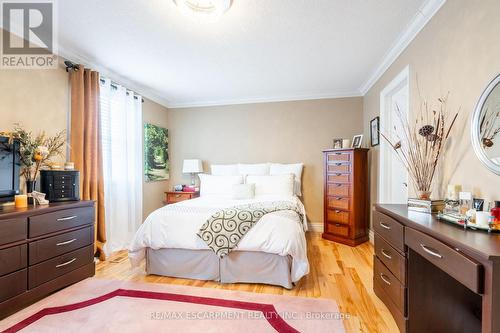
(44, 249)
(346, 196)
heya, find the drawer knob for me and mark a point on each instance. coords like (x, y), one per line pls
(385, 226)
(339, 198)
(385, 279)
(66, 263)
(338, 174)
(338, 185)
(337, 225)
(432, 252)
(67, 218)
(66, 242)
(337, 211)
(385, 254)
(338, 164)
(177, 195)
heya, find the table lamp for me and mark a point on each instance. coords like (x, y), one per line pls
(193, 167)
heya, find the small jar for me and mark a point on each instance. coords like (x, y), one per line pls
(495, 216)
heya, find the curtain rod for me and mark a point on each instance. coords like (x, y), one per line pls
(72, 66)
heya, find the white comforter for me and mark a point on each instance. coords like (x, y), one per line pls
(175, 226)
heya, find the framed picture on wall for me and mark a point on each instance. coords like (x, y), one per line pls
(375, 131)
(156, 162)
(357, 141)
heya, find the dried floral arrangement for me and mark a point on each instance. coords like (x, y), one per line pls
(419, 142)
(488, 130)
(36, 152)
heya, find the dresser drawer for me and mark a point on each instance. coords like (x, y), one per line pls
(60, 220)
(13, 284)
(13, 230)
(463, 269)
(391, 230)
(339, 156)
(340, 190)
(53, 246)
(391, 258)
(338, 203)
(178, 197)
(338, 168)
(13, 259)
(390, 284)
(337, 216)
(338, 178)
(337, 229)
(50, 269)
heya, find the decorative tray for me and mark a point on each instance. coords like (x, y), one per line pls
(461, 221)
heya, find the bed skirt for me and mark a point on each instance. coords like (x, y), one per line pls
(237, 266)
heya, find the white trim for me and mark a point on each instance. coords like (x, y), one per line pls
(371, 236)
(140, 89)
(403, 78)
(269, 99)
(421, 18)
(315, 227)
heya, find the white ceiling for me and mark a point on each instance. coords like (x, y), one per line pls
(260, 50)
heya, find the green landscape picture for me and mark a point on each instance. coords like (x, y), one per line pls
(156, 163)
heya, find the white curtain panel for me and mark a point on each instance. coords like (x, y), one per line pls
(121, 114)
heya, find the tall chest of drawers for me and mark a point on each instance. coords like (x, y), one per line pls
(43, 249)
(346, 196)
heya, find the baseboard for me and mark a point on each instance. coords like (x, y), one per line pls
(371, 236)
(315, 226)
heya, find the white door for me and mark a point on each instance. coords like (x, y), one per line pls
(393, 177)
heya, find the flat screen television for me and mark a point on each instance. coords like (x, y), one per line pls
(9, 169)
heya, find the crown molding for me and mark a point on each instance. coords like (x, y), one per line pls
(421, 18)
(274, 99)
(138, 88)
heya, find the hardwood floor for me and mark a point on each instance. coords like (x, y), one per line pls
(337, 271)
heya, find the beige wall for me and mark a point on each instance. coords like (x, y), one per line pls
(39, 100)
(284, 132)
(153, 192)
(457, 51)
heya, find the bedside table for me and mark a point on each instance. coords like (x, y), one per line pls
(174, 196)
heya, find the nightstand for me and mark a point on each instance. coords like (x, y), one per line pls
(174, 196)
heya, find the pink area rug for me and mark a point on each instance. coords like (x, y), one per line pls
(96, 305)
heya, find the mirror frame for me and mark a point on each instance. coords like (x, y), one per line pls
(475, 130)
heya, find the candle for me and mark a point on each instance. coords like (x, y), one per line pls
(21, 201)
(453, 191)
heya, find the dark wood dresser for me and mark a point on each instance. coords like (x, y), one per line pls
(43, 249)
(434, 276)
(346, 207)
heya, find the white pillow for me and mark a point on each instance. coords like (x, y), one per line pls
(276, 185)
(283, 169)
(224, 169)
(253, 169)
(218, 185)
(243, 191)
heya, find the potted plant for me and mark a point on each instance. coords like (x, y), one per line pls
(36, 152)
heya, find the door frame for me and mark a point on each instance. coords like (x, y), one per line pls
(403, 78)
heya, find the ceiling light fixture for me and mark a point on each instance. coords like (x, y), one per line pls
(203, 8)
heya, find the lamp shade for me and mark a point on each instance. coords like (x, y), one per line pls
(192, 166)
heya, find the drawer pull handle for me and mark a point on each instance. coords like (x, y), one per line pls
(66, 242)
(338, 174)
(385, 279)
(337, 225)
(338, 164)
(431, 252)
(385, 226)
(338, 185)
(337, 211)
(66, 263)
(339, 198)
(385, 254)
(67, 218)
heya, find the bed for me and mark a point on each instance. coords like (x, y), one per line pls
(273, 251)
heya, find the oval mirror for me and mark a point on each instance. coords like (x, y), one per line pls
(485, 127)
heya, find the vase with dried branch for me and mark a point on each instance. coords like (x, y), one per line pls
(36, 152)
(419, 142)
